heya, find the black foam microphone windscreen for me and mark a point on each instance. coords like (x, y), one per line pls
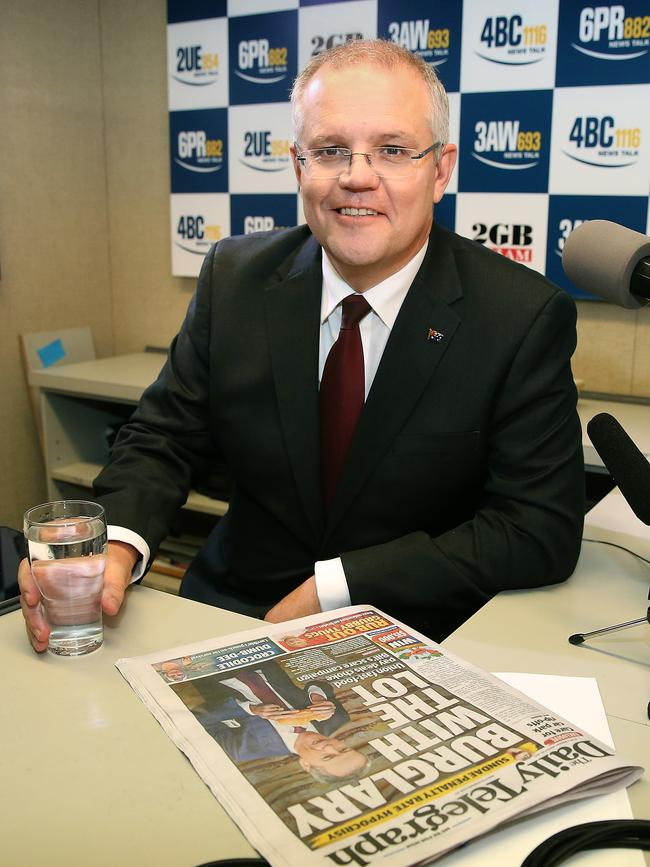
(628, 466)
(600, 257)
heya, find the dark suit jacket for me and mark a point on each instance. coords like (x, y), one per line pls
(244, 736)
(465, 475)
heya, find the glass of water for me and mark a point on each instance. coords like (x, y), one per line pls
(66, 543)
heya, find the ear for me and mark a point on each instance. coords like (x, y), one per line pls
(444, 170)
(304, 764)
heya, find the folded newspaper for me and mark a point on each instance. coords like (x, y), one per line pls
(347, 737)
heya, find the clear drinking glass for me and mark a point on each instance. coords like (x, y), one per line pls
(67, 546)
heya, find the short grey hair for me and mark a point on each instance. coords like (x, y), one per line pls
(377, 52)
(322, 776)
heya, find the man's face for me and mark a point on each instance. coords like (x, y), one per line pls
(359, 108)
(173, 671)
(330, 755)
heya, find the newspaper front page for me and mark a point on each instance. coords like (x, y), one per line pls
(347, 737)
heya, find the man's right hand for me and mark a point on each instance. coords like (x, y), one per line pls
(120, 561)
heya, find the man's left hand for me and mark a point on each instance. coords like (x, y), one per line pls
(300, 602)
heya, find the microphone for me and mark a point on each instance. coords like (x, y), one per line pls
(627, 465)
(631, 472)
(609, 260)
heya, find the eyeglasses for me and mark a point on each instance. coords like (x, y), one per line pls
(387, 161)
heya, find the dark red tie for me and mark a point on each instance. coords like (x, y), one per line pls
(260, 689)
(342, 392)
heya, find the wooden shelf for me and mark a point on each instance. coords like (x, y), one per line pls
(83, 473)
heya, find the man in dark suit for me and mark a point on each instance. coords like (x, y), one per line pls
(464, 473)
(259, 713)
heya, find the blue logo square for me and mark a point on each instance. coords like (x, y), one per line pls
(263, 52)
(432, 31)
(600, 44)
(198, 144)
(262, 213)
(505, 142)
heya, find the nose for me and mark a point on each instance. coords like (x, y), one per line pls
(359, 174)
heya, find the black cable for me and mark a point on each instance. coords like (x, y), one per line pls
(614, 545)
(611, 834)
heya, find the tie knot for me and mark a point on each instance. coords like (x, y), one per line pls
(354, 308)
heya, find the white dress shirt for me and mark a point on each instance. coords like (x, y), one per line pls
(385, 299)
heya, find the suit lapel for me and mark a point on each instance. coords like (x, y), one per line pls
(293, 322)
(408, 363)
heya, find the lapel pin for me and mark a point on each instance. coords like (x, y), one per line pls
(434, 335)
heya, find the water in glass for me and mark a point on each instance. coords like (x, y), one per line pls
(68, 557)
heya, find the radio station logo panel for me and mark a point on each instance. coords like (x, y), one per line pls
(566, 213)
(513, 226)
(259, 142)
(504, 142)
(320, 29)
(263, 53)
(250, 214)
(509, 45)
(197, 59)
(198, 145)
(197, 222)
(600, 141)
(432, 31)
(607, 44)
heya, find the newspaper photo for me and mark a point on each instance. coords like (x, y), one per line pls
(347, 737)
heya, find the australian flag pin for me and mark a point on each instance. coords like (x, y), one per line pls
(434, 335)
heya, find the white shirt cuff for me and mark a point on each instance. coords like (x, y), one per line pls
(121, 534)
(331, 584)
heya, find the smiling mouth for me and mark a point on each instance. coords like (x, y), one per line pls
(357, 212)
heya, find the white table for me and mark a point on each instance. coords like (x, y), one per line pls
(83, 762)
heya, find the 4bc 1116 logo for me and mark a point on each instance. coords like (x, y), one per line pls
(511, 41)
(195, 234)
(600, 141)
(513, 240)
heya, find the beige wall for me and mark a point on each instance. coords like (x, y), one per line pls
(613, 354)
(84, 210)
(53, 211)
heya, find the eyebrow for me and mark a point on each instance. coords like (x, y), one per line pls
(384, 136)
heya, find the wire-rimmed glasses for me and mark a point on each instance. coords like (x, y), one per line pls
(386, 161)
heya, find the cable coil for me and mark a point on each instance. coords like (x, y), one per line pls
(612, 834)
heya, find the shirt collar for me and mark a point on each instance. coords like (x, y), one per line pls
(385, 298)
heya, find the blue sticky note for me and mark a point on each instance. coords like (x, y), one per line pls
(51, 353)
